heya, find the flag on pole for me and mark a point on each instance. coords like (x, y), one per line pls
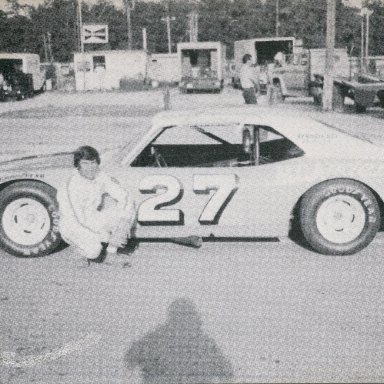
(95, 34)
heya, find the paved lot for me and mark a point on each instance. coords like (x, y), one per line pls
(274, 311)
(228, 312)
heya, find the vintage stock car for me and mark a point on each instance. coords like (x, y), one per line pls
(223, 173)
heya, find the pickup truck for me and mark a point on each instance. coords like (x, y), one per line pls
(303, 73)
(299, 72)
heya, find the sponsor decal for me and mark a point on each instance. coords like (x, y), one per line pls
(24, 175)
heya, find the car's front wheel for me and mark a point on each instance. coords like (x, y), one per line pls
(29, 219)
(339, 217)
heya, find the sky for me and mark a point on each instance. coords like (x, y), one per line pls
(3, 3)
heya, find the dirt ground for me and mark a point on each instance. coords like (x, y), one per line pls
(228, 312)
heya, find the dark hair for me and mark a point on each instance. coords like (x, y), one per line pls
(246, 58)
(85, 153)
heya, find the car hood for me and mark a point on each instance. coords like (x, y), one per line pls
(35, 162)
(60, 159)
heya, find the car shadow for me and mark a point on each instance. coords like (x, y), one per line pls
(179, 351)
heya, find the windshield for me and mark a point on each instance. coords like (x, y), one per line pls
(120, 152)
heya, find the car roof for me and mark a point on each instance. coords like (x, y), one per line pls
(314, 137)
(205, 115)
(289, 121)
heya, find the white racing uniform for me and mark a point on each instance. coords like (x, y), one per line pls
(87, 218)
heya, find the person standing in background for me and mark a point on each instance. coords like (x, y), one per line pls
(249, 80)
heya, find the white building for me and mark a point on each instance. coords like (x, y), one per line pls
(106, 70)
(164, 67)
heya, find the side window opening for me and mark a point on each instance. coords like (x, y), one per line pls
(195, 146)
(266, 146)
(216, 146)
(98, 62)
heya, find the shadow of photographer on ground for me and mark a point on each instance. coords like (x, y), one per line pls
(179, 351)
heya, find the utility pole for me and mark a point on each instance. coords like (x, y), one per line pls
(80, 27)
(362, 54)
(50, 59)
(45, 48)
(277, 18)
(329, 56)
(83, 67)
(130, 5)
(367, 15)
(145, 45)
(365, 12)
(49, 47)
(193, 23)
(168, 20)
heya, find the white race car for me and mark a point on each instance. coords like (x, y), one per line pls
(242, 172)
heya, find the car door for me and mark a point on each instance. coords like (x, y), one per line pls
(200, 181)
(296, 75)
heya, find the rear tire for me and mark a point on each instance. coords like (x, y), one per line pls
(380, 95)
(339, 217)
(29, 219)
(360, 108)
(318, 99)
(277, 92)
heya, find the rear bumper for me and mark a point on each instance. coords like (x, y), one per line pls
(209, 84)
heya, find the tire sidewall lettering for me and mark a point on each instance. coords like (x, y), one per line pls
(359, 195)
(51, 237)
(45, 195)
(52, 208)
(340, 191)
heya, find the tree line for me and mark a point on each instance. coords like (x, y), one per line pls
(24, 28)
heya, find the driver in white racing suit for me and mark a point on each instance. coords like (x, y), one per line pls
(96, 213)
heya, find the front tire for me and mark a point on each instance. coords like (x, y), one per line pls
(339, 217)
(29, 219)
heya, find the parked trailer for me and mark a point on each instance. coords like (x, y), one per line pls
(22, 75)
(107, 70)
(161, 67)
(366, 92)
(262, 50)
(201, 66)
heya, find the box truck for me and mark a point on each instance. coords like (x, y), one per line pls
(201, 66)
(22, 75)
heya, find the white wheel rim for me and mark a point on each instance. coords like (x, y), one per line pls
(341, 219)
(26, 221)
